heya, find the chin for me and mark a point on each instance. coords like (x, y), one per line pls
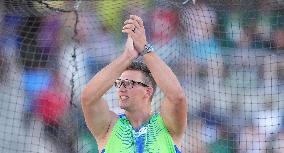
(122, 105)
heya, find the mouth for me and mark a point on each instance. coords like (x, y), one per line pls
(123, 98)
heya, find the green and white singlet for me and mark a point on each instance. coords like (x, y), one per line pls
(151, 137)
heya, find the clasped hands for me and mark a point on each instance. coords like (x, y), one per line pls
(136, 35)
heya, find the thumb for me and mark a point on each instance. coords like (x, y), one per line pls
(129, 43)
(129, 47)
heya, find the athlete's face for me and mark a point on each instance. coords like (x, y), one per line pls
(132, 90)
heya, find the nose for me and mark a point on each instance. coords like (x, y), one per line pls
(122, 88)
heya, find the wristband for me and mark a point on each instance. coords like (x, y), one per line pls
(147, 49)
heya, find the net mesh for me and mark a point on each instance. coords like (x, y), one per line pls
(228, 56)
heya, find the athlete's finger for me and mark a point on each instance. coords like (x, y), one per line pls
(129, 26)
(131, 21)
(137, 19)
(128, 31)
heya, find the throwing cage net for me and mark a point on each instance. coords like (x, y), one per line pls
(228, 56)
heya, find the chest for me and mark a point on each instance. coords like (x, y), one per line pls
(150, 137)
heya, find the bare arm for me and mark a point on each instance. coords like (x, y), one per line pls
(173, 109)
(96, 111)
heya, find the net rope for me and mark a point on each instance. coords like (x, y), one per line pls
(227, 55)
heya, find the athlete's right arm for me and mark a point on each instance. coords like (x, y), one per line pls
(96, 111)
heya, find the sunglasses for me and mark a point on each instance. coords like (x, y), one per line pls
(128, 83)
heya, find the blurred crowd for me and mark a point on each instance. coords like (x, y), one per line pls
(229, 58)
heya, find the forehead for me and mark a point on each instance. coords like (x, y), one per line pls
(132, 75)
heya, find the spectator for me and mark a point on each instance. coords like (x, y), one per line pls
(194, 138)
(268, 118)
(52, 103)
(52, 108)
(277, 143)
(252, 140)
(164, 33)
(34, 80)
(203, 47)
(110, 13)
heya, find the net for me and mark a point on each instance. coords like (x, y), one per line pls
(228, 56)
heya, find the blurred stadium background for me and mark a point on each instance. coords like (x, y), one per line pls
(227, 54)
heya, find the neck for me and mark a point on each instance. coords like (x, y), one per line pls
(137, 118)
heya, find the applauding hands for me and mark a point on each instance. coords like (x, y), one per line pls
(135, 29)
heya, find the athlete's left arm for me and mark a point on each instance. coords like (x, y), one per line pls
(173, 107)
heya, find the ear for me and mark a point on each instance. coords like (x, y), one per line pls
(149, 91)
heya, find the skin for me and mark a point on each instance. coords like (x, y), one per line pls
(128, 98)
(136, 101)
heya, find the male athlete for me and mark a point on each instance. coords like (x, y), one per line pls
(138, 130)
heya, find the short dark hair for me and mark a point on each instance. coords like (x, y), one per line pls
(148, 78)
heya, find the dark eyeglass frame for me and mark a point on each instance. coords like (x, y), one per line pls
(132, 83)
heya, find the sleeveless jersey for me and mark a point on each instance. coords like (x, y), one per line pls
(151, 137)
